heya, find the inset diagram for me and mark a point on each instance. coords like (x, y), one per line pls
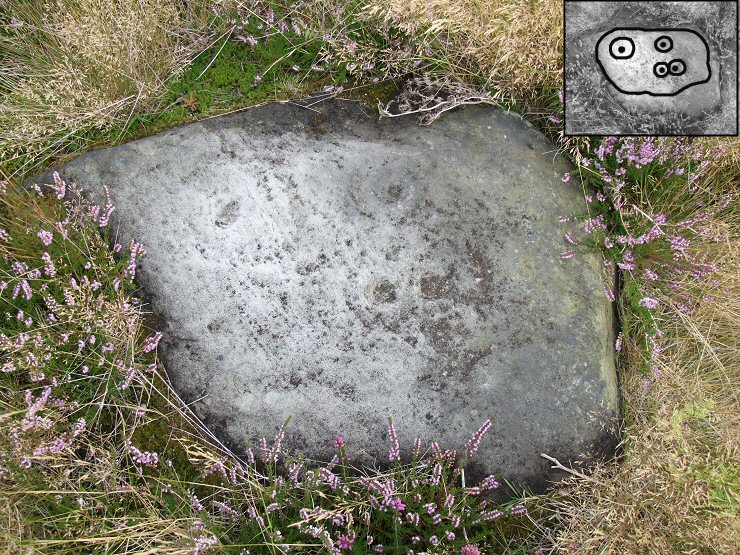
(653, 68)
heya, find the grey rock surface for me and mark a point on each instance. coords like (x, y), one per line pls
(337, 269)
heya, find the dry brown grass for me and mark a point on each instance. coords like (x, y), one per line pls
(67, 66)
(514, 46)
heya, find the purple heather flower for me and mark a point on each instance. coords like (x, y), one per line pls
(473, 444)
(491, 515)
(109, 208)
(338, 442)
(145, 458)
(437, 474)
(565, 255)
(489, 483)
(595, 223)
(49, 268)
(46, 237)
(648, 302)
(151, 343)
(60, 187)
(345, 542)
(470, 549)
(394, 453)
(650, 275)
(417, 448)
(437, 451)
(130, 374)
(397, 504)
(136, 250)
(518, 510)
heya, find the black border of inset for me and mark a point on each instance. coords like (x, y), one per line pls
(737, 76)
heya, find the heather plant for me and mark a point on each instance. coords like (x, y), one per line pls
(97, 454)
(647, 204)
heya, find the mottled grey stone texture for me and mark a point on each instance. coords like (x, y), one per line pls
(339, 269)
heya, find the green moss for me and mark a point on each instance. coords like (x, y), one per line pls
(372, 95)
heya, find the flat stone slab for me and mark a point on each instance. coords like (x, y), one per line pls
(323, 265)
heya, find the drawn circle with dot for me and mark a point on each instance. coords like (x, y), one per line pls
(677, 67)
(664, 44)
(622, 48)
(660, 69)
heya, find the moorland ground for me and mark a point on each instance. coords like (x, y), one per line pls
(99, 454)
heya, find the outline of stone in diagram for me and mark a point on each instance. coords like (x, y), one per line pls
(654, 62)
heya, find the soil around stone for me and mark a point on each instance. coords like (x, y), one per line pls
(320, 264)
